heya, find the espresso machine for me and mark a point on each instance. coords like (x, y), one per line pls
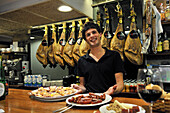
(15, 71)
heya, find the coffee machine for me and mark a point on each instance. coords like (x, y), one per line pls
(15, 71)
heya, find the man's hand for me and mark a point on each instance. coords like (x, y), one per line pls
(111, 90)
(75, 86)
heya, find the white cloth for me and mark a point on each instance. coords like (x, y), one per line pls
(159, 28)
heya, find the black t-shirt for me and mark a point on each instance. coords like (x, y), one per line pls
(99, 76)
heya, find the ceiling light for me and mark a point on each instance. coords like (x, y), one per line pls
(65, 8)
(32, 37)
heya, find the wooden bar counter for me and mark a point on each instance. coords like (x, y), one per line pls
(18, 101)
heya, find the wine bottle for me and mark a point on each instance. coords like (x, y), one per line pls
(2, 80)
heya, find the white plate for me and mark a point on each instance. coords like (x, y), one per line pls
(51, 99)
(48, 100)
(103, 109)
(107, 99)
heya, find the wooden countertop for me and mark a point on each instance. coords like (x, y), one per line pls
(18, 101)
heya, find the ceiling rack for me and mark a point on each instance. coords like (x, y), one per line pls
(57, 23)
(105, 2)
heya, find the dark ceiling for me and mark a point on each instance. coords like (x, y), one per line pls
(16, 23)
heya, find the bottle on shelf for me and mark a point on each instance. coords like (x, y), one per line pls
(167, 11)
(2, 80)
(162, 12)
(160, 41)
(127, 86)
(124, 88)
(130, 86)
(165, 43)
(135, 86)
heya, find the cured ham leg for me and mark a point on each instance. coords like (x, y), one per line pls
(148, 28)
(106, 36)
(84, 46)
(58, 49)
(118, 40)
(51, 48)
(133, 44)
(76, 52)
(68, 49)
(155, 39)
(41, 53)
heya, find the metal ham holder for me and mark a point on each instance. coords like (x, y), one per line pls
(105, 2)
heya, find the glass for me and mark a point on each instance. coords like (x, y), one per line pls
(149, 85)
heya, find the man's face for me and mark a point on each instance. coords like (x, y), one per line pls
(92, 37)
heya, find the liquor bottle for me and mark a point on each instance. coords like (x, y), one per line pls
(165, 43)
(2, 81)
(159, 47)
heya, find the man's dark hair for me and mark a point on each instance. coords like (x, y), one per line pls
(88, 26)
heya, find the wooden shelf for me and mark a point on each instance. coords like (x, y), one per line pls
(165, 22)
(127, 94)
(23, 87)
(158, 54)
(15, 53)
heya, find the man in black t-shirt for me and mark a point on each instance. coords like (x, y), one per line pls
(100, 70)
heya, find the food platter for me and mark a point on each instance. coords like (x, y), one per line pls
(51, 99)
(103, 109)
(108, 98)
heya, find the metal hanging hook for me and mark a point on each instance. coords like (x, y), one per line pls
(131, 4)
(118, 7)
(104, 6)
(132, 8)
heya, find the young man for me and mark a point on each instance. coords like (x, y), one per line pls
(100, 70)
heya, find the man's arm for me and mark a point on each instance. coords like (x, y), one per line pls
(82, 82)
(118, 87)
(119, 82)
